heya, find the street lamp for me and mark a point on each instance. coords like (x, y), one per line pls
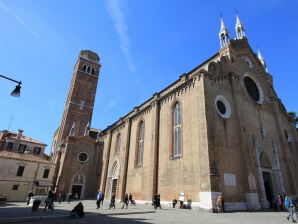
(17, 91)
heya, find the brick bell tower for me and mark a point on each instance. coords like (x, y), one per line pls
(78, 109)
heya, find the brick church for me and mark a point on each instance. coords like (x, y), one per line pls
(219, 129)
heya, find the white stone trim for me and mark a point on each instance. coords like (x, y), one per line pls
(221, 98)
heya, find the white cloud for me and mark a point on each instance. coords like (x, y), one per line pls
(117, 9)
(21, 21)
(26, 26)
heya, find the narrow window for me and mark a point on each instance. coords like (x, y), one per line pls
(84, 68)
(15, 187)
(9, 146)
(88, 69)
(37, 150)
(118, 142)
(46, 173)
(92, 71)
(20, 171)
(22, 148)
(140, 144)
(176, 130)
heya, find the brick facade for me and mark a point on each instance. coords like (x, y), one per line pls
(242, 157)
(233, 137)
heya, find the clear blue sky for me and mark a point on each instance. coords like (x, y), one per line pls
(144, 46)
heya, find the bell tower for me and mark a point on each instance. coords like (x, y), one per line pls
(79, 105)
(80, 100)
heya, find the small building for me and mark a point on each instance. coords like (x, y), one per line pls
(24, 166)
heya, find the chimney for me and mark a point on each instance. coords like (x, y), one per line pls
(20, 134)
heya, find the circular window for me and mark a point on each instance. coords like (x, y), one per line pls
(249, 63)
(253, 89)
(222, 106)
(83, 157)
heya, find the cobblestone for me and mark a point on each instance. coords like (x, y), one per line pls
(16, 212)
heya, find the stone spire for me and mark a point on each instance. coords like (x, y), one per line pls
(262, 60)
(240, 31)
(224, 37)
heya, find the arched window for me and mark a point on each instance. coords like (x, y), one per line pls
(114, 171)
(176, 128)
(88, 69)
(118, 142)
(84, 68)
(140, 144)
(92, 71)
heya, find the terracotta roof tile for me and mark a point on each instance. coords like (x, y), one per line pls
(21, 156)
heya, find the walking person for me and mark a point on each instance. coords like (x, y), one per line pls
(289, 204)
(157, 201)
(125, 201)
(181, 199)
(49, 201)
(30, 195)
(103, 198)
(99, 198)
(219, 204)
(280, 202)
(112, 204)
(130, 198)
(174, 202)
(70, 196)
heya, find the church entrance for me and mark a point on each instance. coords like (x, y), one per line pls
(76, 189)
(269, 188)
(114, 186)
(114, 174)
(267, 179)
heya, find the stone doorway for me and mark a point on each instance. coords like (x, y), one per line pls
(269, 188)
(77, 189)
(114, 186)
(267, 178)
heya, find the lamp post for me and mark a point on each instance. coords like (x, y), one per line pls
(17, 91)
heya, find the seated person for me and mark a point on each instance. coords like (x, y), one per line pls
(78, 211)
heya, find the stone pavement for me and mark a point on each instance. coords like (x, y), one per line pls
(19, 212)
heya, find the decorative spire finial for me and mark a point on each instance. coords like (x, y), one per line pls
(240, 31)
(224, 36)
(262, 60)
